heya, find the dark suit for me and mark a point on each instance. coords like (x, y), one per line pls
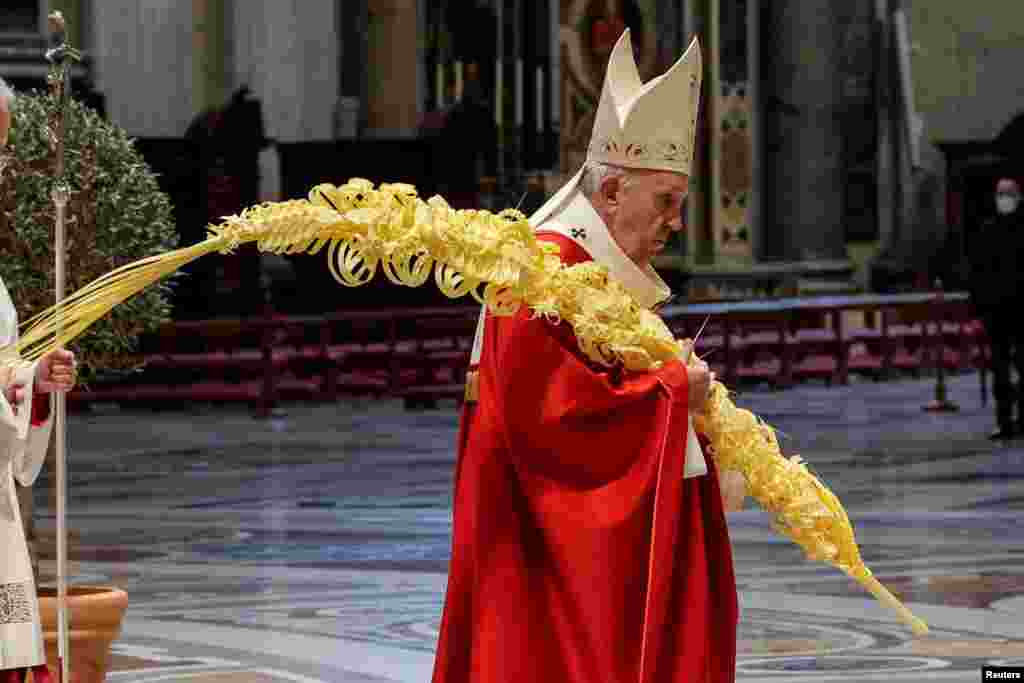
(997, 292)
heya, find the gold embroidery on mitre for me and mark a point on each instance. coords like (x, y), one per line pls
(647, 125)
(677, 154)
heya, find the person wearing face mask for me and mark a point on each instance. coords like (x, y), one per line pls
(996, 286)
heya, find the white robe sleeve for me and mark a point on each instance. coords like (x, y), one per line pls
(8, 431)
(29, 448)
(695, 464)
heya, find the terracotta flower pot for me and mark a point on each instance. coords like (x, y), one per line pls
(94, 614)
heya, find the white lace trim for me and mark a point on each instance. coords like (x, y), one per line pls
(16, 603)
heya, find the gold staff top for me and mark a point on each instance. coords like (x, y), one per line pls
(496, 259)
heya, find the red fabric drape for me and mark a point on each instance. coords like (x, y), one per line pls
(40, 674)
(40, 409)
(580, 554)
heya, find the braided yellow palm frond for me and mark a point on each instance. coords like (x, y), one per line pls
(802, 507)
(496, 259)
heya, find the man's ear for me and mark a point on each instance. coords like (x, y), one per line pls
(610, 188)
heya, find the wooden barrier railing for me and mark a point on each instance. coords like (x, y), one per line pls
(421, 354)
(816, 336)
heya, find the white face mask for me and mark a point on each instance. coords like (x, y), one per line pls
(1006, 204)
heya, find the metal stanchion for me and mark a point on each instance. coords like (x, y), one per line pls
(939, 404)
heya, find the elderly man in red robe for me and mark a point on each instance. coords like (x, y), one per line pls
(589, 540)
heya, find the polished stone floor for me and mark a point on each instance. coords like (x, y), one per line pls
(312, 547)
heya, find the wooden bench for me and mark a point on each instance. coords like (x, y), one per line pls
(418, 354)
(210, 360)
(829, 338)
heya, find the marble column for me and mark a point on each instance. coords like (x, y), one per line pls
(210, 78)
(802, 101)
(394, 99)
(287, 52)
(143, 64)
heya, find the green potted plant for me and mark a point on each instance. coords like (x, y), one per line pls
(116, 214)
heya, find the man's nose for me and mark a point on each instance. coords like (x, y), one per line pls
(675, 222)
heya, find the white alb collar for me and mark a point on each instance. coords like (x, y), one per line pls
(580, 222)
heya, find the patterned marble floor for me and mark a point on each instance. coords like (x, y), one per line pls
(312, 547)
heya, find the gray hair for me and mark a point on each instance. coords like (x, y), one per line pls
(595, 172)
(6, 94)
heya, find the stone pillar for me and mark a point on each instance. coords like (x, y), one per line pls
(143, 64)
(353, 34)
(209, 69)
(802, 100)
(287, 52)
(887, 144)
(393, 57)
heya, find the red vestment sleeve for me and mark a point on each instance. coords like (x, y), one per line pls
(40, 409)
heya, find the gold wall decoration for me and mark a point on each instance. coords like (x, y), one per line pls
(734, 236)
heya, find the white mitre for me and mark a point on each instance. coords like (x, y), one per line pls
(641, 125)
(638, 125)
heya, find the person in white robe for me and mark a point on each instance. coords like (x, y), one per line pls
(25, 427)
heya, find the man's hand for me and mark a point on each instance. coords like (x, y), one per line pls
(699, 379)
(56, 372)
(734, 490)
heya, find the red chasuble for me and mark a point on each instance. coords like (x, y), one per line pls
(580, 554)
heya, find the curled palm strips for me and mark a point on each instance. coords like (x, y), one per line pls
(496, 259)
